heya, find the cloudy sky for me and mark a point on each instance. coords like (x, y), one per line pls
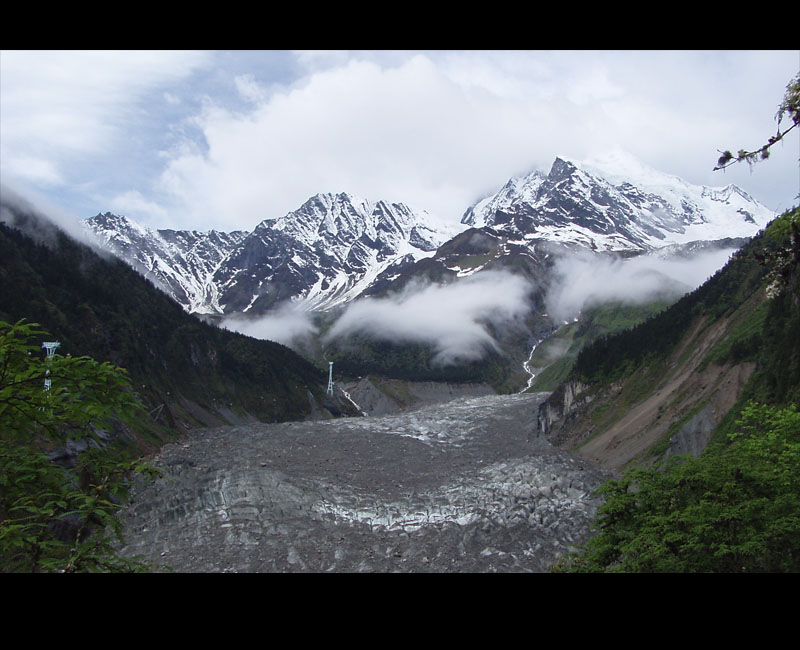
(224, 139)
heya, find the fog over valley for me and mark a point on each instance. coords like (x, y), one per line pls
(585, 280)
(451, 318)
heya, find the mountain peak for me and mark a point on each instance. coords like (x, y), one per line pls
(562, 166)
(517, 189)
(327, 251)
(336, 245)
(616, 202)
(115, 226)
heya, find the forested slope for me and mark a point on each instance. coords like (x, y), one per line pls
(764, 270)
(717, 376)
(736, 337)
(188, 372)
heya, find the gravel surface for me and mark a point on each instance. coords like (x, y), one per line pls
(458, 487)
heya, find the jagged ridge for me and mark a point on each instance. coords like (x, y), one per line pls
(337, 247)
(617, 204)
(325, 252)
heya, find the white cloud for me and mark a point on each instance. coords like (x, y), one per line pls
(452, 318)
(249, 89)
(436, 130)
(57, 108)
(134, 203)
(286, 324)
(405, 133)
(583, 280)
(30, 169)
(236, 137)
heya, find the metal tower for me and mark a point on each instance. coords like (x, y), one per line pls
(330, 377)
(51, 347)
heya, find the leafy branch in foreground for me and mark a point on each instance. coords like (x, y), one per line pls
(53, 517)
(790, 106)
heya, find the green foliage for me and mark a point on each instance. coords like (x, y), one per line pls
(54, 518)
(557, 354)
(777, 377)
(734, 509)
(780, 230)
(744, 340)
(612, 357)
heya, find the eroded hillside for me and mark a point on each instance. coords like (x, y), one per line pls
(667, 385)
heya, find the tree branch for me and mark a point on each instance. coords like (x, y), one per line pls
(751, 157)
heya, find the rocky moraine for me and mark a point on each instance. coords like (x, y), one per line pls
(463, 486)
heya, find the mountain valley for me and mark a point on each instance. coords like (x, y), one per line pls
(369, 285)
(488, 376)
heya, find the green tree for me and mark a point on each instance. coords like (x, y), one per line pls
(731, 510)
(55, 518)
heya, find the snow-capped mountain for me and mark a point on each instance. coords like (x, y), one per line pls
(336, 247)
(617, 204)
(180, 262)
(326, 252)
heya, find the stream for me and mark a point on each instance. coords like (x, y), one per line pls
(526, 366)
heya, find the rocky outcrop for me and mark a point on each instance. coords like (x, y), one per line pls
(694, 435)
(560, 408)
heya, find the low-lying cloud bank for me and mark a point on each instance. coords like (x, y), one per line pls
(455, 319)
(583, 280)
(289, 325)
(452, 318)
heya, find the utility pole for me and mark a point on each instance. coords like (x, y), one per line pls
(330, 377)
(50, 346)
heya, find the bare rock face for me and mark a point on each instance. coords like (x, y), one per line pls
(557, 410)
(454, 487)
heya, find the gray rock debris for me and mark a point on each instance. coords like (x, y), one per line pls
(456, 487)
